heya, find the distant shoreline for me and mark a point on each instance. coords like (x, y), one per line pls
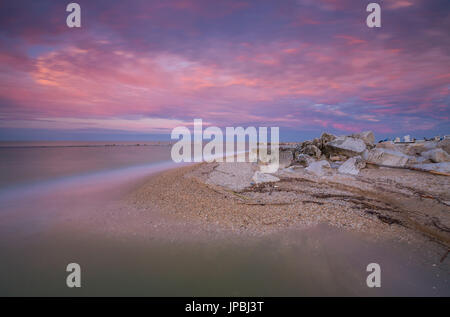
(84, 145)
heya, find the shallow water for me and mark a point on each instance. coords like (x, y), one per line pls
(35, 162)
(35, 246)
(322, 261)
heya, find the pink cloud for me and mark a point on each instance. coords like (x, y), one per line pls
(229, 62)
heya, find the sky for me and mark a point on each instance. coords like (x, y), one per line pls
(137, 69)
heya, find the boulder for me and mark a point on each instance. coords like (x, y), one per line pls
(445, 145)
(305, 159)
(366, 136)
(311, 150)
(327, 137)
(317, 142)
(259, 178)
(413, 149)
(235, 176)
(352, 166)
(387, 157)
(347, 146)
(436, 155)
(300, 146)
(317, 168)
(429, 145)
(387, 145)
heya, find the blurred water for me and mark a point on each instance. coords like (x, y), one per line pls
(29, 162)
(321, 262)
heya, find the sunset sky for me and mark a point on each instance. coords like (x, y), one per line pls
(141, 67)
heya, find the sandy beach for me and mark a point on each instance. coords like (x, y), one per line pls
(378, 203)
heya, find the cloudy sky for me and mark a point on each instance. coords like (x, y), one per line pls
(142, 67)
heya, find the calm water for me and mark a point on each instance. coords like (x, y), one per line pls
(44, 183)
(30, 162)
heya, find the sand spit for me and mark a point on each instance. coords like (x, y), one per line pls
(378, 202)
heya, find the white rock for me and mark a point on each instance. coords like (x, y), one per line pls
(445, 145)
(235, 176)
(387, 145)
(352, 166)
(413, 148)
(268, 163)
(436, 155)
(259, 178)
(317, 168)
(430, 145)
(348, 146)
(387, 157)
(366, 136)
